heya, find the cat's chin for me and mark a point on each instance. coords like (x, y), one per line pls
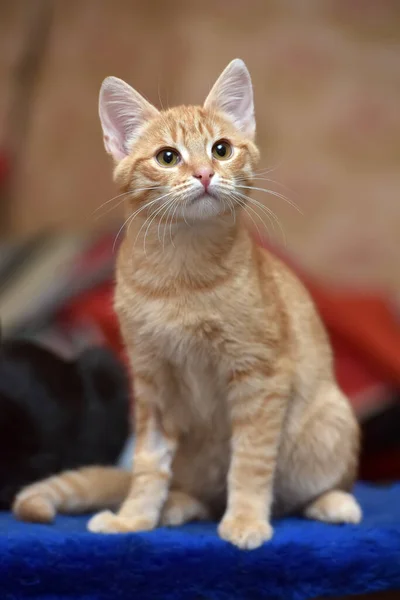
(204, 207)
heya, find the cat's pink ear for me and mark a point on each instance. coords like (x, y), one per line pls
(123, 113)
(232, 94)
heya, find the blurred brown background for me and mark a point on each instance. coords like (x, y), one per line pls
(327, 85)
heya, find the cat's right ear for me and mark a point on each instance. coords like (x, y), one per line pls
(123, 113)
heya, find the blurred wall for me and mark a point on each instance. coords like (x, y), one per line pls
(327, 85)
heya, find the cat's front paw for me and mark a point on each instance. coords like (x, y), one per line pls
(244, 532)
(108, 522)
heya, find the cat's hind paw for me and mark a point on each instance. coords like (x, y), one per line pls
(335, 506)
(181, 508)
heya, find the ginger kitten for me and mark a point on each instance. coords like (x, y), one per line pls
(238, 414)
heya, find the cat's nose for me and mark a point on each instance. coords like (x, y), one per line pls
(204, 175)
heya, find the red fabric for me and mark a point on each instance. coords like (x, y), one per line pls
(95, 308)
(367, 323)
(97, 256)
(358, 379)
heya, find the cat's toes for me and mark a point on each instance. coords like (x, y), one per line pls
(179, 515)
(245, 532)
(108, 522)
(181, 508)
(173, 516)
(335, 507)
(102, 522)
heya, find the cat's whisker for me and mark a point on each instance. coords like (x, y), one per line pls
(169, 207)
(269, 170)
(186, 197)
(224, 205)
(233, 212)
(128, 220)
(228, 189)
(151, 217)
(243, 180)
(156, 212)
(165, 227)
(232, 209)
(265, 209)
(245, 208)
(159, 96)
(148, 205)
(183, 211)
(271, 216)
(124, 197)
(228, 205)
(161, 219)
(119, 232)
(147, 222)
(170, 224)
(273, 193)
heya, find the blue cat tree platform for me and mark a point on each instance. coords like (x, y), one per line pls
(304, 560)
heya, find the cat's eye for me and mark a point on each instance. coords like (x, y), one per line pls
(222, 150)
(168, 157)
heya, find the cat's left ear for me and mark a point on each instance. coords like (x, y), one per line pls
(232, 94)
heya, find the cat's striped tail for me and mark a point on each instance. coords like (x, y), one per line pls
(73, 492)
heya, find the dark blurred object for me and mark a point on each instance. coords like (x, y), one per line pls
(380, 459)
(58, 414)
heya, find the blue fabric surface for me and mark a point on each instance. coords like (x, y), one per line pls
(305, 559)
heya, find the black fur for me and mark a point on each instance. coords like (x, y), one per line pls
(56, 414)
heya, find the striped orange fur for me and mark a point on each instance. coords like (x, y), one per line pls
(238, 413)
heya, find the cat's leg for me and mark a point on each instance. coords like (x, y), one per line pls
(334, 506)
(182, 508)
(153, 456)
(257, 404)
(320, 464)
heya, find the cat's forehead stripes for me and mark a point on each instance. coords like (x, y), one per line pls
(191, 130)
